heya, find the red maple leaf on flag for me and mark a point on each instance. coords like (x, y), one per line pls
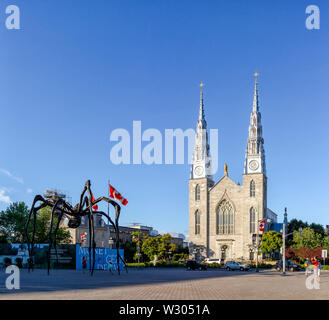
(95, 207)
(114, 194)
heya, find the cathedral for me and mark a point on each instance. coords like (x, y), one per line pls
(224, 216)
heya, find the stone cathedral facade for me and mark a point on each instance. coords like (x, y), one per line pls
(224, 215)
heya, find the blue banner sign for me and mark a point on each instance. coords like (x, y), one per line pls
(103, 258)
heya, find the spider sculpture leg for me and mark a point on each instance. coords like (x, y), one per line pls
(116, 229)
(91, 228)
(93, 243)
(90, 239)
(50, 237)
(117, 244)
(115, 225)
(53, 212)
(55, 234)
(30, 242)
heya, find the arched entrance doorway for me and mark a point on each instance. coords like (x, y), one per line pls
(223, 254)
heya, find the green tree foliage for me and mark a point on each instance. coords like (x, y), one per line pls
(294, 225)
(13, 220)
(12, 223)
(309, 239)
(160, 246)
(43, 228)
(271, 243)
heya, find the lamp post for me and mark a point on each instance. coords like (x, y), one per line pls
(284, 236)
(284, 248)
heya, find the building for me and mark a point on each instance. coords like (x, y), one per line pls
(125, 233)
(101, 233)
(224, 215)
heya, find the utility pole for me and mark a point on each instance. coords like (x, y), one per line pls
(284, 243)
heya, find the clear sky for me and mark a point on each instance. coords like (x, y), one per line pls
(79, 69)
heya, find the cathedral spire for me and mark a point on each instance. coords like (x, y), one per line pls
(255, 153)
(201, 163)
(255, 106)
(201, 111)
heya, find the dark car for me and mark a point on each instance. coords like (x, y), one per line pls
(290, 266)
(195, 265)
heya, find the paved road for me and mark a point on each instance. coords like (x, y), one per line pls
(164, 284)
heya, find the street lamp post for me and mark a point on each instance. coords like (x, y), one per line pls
(284, 236)
(284, 249)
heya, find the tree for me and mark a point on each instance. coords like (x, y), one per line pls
(294, 225)
(43, 228)
(159, 245)
(12, 223)
(309, 239)
(271, 242)
(150, 247)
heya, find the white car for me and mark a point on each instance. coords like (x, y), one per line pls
(210, 261)
(233, 265)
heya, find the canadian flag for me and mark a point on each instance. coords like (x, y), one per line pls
(95, 207)
(83, 236)
(261, 225)
(114, 194)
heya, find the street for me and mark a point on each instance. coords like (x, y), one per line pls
(166, 284)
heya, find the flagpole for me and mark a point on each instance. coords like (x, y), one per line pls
(108, 221)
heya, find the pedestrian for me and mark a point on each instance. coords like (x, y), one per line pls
(110, 267)
(315, 263)
(84, 264)
(30, 264)
(319, 269)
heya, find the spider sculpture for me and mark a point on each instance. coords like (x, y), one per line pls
(62, 209)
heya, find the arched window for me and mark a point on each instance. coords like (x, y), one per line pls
(252, 188)
(197, 222)
(197, 193)
(225, 218)
(252, 220)
(253, 148)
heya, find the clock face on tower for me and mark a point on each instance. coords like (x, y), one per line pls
(198, 171)
(253, 165)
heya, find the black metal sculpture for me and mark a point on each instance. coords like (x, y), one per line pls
(62, 209)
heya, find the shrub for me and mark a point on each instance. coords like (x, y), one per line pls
(214, 265)
(136, 265)
(159, 264)
(263, 266)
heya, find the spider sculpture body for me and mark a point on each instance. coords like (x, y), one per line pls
(62, 209)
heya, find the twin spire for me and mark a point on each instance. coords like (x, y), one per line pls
(202, 118)
(255, 106)
(201, 111)
(255, 153)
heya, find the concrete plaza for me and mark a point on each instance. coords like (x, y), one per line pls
(166, 284)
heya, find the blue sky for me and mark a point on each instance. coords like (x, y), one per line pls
(79, 69)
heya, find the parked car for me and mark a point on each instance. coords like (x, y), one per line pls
(210, 261)
(290, 266)
(234, 265)
(195, 265)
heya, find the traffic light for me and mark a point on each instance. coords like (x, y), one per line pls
(300, 232)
